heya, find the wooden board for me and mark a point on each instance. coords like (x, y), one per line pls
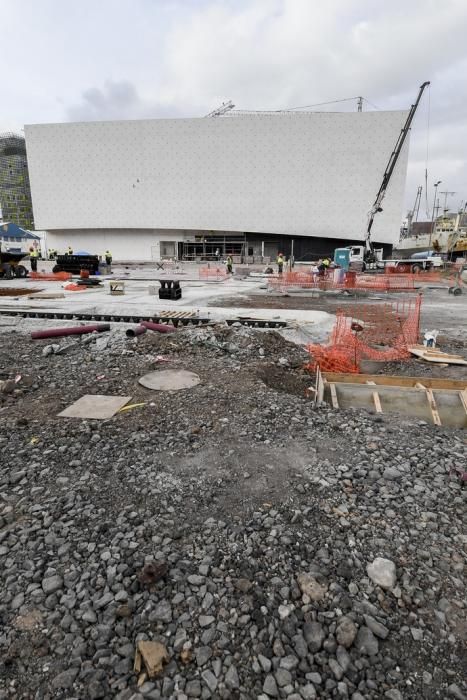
(463, 397)
(319, 393)
(385, 380)
(96, 406)
(335, 402)
(47, 295)
(434, 410)
(432, 355)
(377, 402)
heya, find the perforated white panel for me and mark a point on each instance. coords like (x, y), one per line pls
(297, 174)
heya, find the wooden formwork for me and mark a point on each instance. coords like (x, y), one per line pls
(438, 401)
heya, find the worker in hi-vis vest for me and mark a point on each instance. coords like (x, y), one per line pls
(280, 263)
(33, 255)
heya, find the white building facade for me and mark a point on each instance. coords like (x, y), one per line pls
(171, 187)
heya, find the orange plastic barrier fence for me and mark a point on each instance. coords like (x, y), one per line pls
(215, 274)
(340, 279)
(56, 277)
(380, 332)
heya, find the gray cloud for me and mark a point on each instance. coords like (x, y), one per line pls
(115, 100)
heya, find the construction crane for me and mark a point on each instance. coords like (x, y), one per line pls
(376, 208)
(225, 107)
(413, 213)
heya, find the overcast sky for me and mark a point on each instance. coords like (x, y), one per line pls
(66, 60)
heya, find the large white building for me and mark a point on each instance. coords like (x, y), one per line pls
(243, 184)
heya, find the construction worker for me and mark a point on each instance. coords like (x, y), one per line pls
(108, 257)
(280, 263)
(229, 264)
(69, 251)
(33, 255)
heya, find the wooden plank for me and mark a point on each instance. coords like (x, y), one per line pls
(384, 380)
(377, 402)
(436, 356)
(335, 402)
(432, 403)
(47, 295)
(463, 398)
(319, 396)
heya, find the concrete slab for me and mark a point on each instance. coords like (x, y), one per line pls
(170, 380)
(95, 406)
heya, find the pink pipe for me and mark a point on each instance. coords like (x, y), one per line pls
(136, 330)
(160, 327)
(73, 330)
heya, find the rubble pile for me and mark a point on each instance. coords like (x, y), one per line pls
(270, 549)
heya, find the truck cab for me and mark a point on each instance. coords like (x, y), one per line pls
(353, 258)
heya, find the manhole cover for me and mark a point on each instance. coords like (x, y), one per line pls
(170, 380)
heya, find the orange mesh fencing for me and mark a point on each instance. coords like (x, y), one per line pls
(386, 282)
(213, 274)
(381, 332)
(341, 279)
(302, 280)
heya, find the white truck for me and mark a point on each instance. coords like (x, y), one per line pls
(416, 263)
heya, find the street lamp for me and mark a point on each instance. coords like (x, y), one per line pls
(437, 184)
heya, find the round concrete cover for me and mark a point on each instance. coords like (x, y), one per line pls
(170, 380)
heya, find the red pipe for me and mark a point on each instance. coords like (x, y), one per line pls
(137, 330)
(73, 330)
(160, 327)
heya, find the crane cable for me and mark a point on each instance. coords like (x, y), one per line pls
(427, 151)
(320, 104)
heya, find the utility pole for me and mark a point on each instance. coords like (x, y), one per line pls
(359, 104)
(437, 184)
(446, 199)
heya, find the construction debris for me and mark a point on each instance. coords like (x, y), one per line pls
(153, 655)
(130, 406)
(430, 355)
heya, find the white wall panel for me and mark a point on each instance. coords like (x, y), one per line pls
(298, 174)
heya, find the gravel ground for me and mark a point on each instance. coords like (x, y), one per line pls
(297, 552)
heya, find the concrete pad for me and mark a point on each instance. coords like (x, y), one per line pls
(95, 406)
(170, 380)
